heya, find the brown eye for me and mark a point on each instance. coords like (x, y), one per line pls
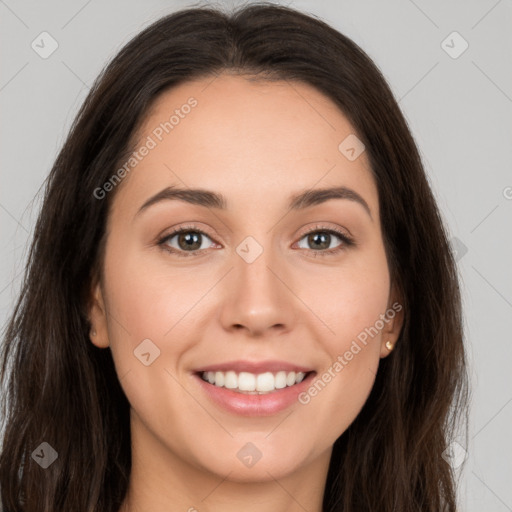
(190, 240)
(184, 241)
(321, 240)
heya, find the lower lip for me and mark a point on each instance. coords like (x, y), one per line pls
(255, 405)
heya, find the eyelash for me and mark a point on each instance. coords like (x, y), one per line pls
(345, 239)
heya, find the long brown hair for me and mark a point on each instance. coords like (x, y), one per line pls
(63, 390)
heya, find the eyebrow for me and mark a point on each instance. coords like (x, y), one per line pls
(210, 199)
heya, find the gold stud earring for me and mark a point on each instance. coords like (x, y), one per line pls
(389, 345)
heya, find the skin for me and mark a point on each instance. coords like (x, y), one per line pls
(257, 143)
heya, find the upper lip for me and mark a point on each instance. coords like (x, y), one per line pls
(255, 367)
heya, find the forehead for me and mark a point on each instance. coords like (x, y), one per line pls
(256, 142)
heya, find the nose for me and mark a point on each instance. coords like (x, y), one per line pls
(259, 297)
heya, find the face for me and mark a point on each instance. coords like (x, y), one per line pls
(267, 278)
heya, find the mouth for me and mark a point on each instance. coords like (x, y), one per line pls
(249, 383)
(254, 389)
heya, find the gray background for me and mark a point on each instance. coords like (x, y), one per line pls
(459, 111)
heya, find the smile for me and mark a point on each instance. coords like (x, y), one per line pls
(250, 383)
(253, 389)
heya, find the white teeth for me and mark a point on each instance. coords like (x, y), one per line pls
(230, 380)
(280, 380)
(265, 382)
(246, 381)
(219, 379)
(290, 379)
(250, 383)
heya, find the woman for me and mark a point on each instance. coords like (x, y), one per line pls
(240, 293)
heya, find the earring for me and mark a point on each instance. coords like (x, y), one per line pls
(93, 333)
(389, 345)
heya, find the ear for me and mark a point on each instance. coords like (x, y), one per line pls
(98, 317)
(394, 320)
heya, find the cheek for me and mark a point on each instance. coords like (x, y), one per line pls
(149, 298)
(351, 301)
(150, 312)
(147, 302)
(351, 304)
